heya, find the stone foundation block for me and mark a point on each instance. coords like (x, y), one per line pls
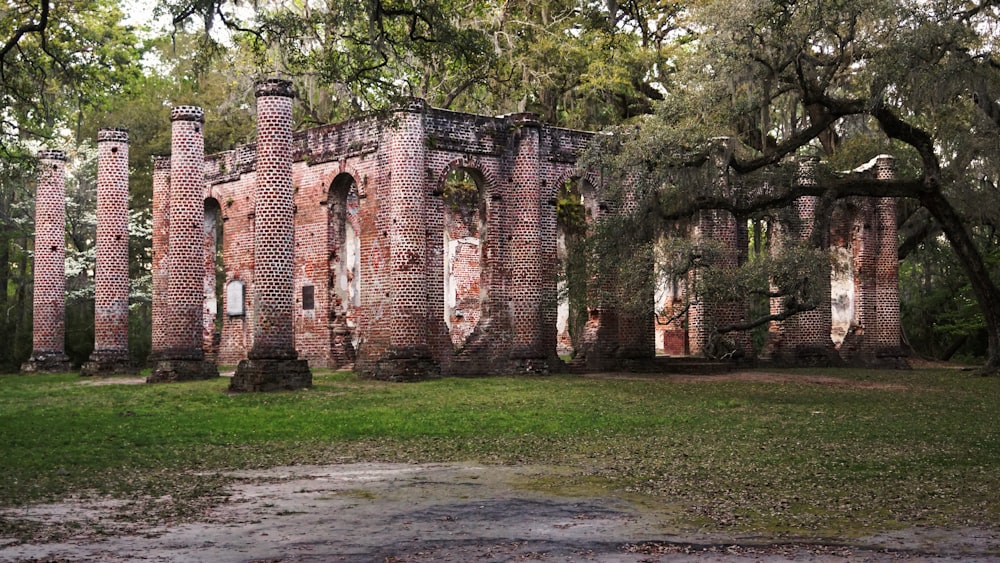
(108, 362)
(47, 362)
(405, 365)
(170, 371)
(809, 356)
(263, 375)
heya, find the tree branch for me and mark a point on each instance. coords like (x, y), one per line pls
(20, 32)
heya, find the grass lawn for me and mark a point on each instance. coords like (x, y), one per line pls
(879, 450)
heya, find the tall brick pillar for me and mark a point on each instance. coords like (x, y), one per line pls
(805, 338)
(272, 362)
(859, 346)
(636, 328)
(527, 278)
(49, 299)
(161, 262)
(183, 358)
(409, 355)
(888, 335)
(111, 281)
(707, 315)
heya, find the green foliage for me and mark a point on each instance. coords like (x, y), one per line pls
(461, 192)
(77, 56)
(940, 315)
(571, 214)
(875, 451)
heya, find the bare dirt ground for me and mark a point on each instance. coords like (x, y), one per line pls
(442, 512)
(450, 513)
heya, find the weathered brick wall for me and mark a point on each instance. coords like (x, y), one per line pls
(398, 167)
(383, 264)
(874, 335)
(49, 294)
(805, 338)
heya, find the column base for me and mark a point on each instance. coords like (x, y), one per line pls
(171, 371)
(263, 375)
(887, 358)
(404, 365)
(808, 356)
(42, 361)
(108, 362)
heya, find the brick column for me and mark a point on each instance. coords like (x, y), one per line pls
(183, 358)
(865, 243)
(409, 356)
(111, 281)
(526, 277)
(888, 335)
(636, 324)
(272, 362)
(160, 262)
(805, 338)
(49, 297)
(705, 316)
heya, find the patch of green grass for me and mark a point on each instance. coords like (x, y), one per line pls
(888, 449)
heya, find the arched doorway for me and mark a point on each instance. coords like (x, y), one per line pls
(344, 269)
(465, 232)
(577, 207)
(215, 278)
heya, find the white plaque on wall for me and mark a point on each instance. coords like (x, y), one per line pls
(234, 298)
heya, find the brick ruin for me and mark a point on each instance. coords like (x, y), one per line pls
(425, 242)
(111, 281)
(48, 351)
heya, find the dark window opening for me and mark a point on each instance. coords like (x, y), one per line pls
(308, 297)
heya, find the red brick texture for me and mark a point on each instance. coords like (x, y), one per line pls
(111, 279)
(864, 229)
(49, 297)
(160, 262)
(804, 339)
(182, 357)
(386, 275)
(370, 243)
(272, 362)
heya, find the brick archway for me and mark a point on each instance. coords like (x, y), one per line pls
(465, 233)
(344, 268)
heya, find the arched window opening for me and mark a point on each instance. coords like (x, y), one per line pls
(846, 236)
(344, 267)
(465, 227)
(215, 276)
(576, 206)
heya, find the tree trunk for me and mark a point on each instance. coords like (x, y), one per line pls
(986, 292)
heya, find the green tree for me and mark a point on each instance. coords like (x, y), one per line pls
(575, 63)
(916, 79)
(59, 63)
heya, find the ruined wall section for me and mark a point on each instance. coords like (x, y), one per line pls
(230, 180)
(473, 143)
(319, 156)
(323, 154)
(804, 339)
(400, 162)
(868, 225)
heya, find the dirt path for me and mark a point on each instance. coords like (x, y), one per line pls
(443, 512)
